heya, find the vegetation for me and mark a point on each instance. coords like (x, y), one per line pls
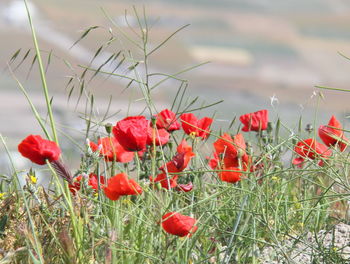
(165, 186)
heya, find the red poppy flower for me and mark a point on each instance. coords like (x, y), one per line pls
(166, 182)
(75, 185)
(234, 159)
(119, 185)
(214, 162)
(333, 134)
(192, 126)
(255, 121)
(112, 150)
(230, 174)
(92, 182)
(231, 150)
(183, 156)
(167, 119)
(247, 163)
(180, 161)
(230, 147)
(38, 150)
(185, 187)
(132, 132)
(310, 148)
(161, 136)
(141, 154)
(179, 225)
(183, 147)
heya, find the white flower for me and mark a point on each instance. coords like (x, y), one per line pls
(273, 100)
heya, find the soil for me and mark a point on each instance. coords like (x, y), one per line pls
(328, 246)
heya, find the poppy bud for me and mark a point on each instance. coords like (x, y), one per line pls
(153, 120)
(240, 153)
(264, 138)
(108, 128)
(158, 186)
(309, 128)
(269, 127)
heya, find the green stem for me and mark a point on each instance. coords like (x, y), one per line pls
(154, 148)
(42, 74)
(76, 227)
(138, 165)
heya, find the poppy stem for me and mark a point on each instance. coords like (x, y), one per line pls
(113, 168)
(154, 150)
(138, 166)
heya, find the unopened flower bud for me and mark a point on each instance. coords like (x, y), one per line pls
(158, 186)
(309, 128)
(154, 120)
(108, 128)
(264, 138)
(240, 153)
(269, 127)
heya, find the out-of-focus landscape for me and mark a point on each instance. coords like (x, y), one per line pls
(263, 54)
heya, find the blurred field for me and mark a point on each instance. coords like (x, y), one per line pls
(257, 49)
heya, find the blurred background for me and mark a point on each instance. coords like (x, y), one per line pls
(264, 54)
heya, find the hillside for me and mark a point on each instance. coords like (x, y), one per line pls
(258, 51)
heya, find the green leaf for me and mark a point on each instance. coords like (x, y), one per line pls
(86, 32)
